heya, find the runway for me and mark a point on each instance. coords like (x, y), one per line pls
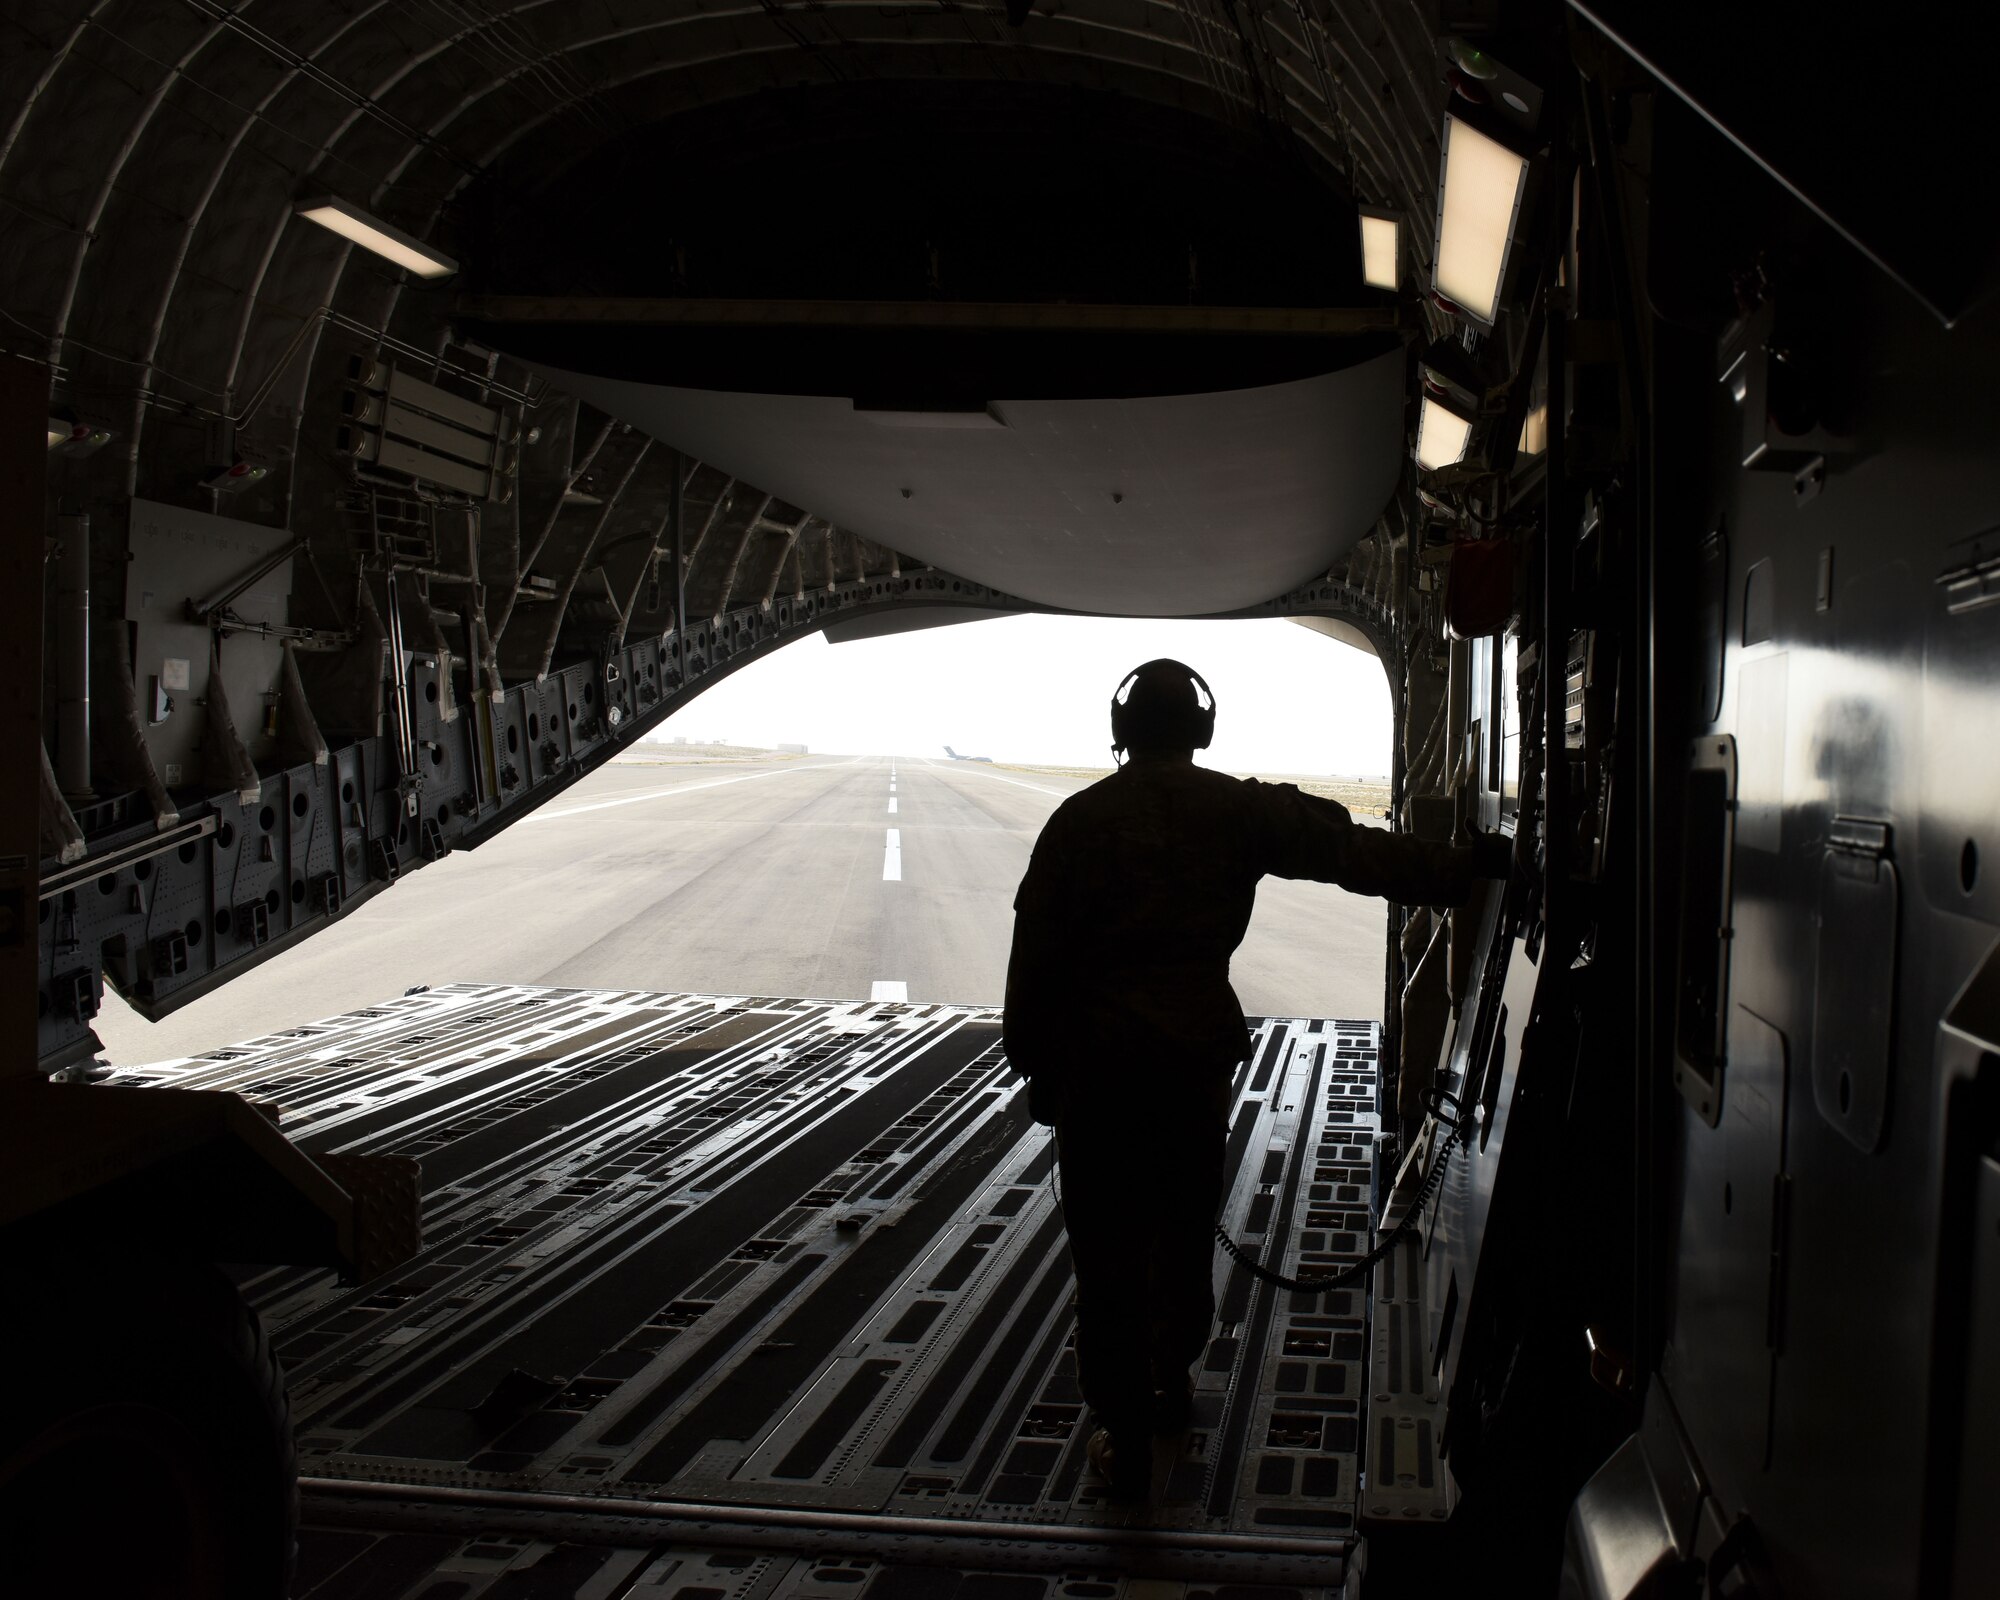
(831, 877)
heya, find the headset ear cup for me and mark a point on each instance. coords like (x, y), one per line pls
(1205, 713)
(1121, 732)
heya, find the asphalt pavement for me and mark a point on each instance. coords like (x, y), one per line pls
(823, 876)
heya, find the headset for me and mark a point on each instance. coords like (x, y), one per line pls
(1163, 705)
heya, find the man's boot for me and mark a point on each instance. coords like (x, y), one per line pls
(1173, 1401)
(1124, 1460)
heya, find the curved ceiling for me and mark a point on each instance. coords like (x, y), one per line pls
(153, 154)
(922, 189)
(183, 134)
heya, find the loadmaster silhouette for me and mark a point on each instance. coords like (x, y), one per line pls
(1120, 1014)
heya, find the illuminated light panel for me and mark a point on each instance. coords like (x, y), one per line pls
(1380, 242)
(67, 438)
(371, 233)
(1442, 435)
(1535, 431)
(1480, 197)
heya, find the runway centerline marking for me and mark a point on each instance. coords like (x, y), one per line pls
(892, 858)
(892, 805)
(680, 788)
(889, 989)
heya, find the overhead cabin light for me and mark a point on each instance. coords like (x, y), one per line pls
(238, 475)
(1456, 389)
(1474, 62)
(1479, 202)
(1535, 431)
(1442, 434)
(1446, 366)
(1381, 249)
(372, 233)
(69, 437)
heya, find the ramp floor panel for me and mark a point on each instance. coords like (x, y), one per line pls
(725, 1297)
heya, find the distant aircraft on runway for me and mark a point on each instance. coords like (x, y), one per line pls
(957, 757)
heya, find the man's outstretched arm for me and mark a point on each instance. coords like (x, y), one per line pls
(1310, 837)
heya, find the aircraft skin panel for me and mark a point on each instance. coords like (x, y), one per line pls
(1859, 697)
(793, 1253)
(1114, 506)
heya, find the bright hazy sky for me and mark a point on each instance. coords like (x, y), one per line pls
(1038, 689)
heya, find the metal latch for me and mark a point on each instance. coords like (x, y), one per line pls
(1860, 836)
(1972, 583)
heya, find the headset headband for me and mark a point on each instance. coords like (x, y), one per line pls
(1195, 733)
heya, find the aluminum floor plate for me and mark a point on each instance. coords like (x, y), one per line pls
(726, 1297)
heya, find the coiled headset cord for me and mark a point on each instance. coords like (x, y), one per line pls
(1319, 1283)
(1322, 1282)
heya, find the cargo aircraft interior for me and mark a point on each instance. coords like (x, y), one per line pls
(438, 395)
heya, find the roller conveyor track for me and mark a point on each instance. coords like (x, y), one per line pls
(692, 1256)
